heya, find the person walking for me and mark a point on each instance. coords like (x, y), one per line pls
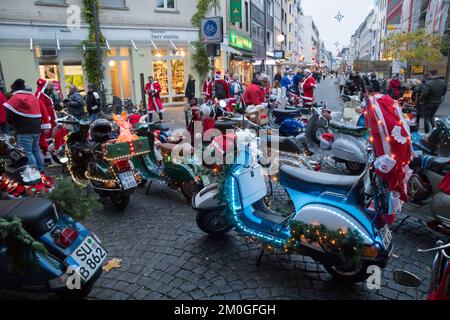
(93, 103)
(190, 88)
(256, 91)
(236, 88)
(394, 87)
(342, 81)
(154, 89)
(278, 76)
(54, 95)
(433, 95)
(286, 82)
(74, 103)
(296, 82)
(207, 89)
(277, 93)
(308, 86)
(24, 113)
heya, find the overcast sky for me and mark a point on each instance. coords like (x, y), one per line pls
(324, 13)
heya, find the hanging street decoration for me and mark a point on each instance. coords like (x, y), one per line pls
(339, 16)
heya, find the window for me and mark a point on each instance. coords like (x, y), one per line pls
(246, 16)
(113, 3)
(52, 2)
(165, 4)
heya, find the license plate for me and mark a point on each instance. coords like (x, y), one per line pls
(89, 256)
(127, 180)
(206, 181)
(386, 236)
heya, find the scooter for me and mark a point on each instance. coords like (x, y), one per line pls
(58, 144)
(437, 143)
(17, 178)
(439, 288)
(423, 190)
(104, 165)
(331, 217)
(159, 165)
(70, 251)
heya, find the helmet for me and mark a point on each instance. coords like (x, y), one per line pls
(418, 188)
(100, 131)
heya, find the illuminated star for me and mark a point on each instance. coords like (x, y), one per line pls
(339, 16)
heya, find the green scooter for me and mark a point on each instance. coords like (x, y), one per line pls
(161, 167)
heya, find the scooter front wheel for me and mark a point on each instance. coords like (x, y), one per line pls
(348, 275)
(120, 200)
(213, 222)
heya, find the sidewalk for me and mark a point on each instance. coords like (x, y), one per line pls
(444, 110)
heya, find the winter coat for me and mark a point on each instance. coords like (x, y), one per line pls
(433, 91)
(394, 88)
(255, 94)
(93, 102)
(75, 104)
(24, 113)
(190, 89)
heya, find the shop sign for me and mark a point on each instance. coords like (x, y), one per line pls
(278, 54)
(212, 30)
(164, 35)
(240, 42)
(236, 11)
(417, 69)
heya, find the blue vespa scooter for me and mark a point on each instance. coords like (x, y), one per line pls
(331, 216)
(71, 262)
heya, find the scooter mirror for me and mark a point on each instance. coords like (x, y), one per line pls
(407, 279)
(64, 160)
(223, 104)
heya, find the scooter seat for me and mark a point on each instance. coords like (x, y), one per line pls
(315, 182)
(439, 164)
(278, 113)
(162, 127)
(37, 215)
(224, 125)
(339, 126)
(285, 144)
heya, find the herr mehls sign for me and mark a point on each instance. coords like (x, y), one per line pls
(211, 30)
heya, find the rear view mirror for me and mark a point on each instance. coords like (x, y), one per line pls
(64, 160)
(407, 279)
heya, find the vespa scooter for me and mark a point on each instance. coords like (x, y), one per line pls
(331, 215)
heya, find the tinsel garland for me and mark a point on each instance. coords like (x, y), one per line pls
(347, 245)
(20, 245)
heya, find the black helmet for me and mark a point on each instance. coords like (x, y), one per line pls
(100, 131)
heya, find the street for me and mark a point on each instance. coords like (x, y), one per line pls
(165, 256)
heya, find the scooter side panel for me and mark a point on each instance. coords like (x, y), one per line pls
(349, 148)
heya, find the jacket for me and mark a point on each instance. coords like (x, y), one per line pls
(254, 95)
(76, 104)
(93, 102)
(24, 113)
(433, 91)
(395, 88)
(190, 89)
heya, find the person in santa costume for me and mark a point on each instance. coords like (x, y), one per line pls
(222, 90)
(207, 89)
(153, 89)
(307, 87)
(47, 102)
(24, 113)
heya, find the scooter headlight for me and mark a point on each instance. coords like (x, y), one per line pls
(370, 252)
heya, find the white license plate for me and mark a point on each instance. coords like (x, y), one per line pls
(386, 236)
(127, 180)
(89, 256)
(206, 181)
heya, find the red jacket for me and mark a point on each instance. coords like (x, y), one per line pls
(2, 108)
(307, 88)
(207, 90)
(254, 95)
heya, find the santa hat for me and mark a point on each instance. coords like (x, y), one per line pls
(307, 71)
(218, 75)
(40, 94)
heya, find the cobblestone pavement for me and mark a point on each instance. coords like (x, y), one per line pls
(165, 256)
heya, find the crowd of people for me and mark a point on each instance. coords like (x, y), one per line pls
(424, 95)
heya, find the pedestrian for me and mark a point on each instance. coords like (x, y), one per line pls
(418, 100)
(374, 83)
(236, 88)
(74, 102)
(153, 89)
(190, 88)
(49, 112)
(278, 76)
(433, 95)
(93, 103)
(24, 113)
(222, 91)
(296, 82)
(357, 83)
(342, 80)
(395, 86)
(207, 89)
(256, 91)
(308, 86)
(54, 95)
(3, 122)
(286, 82)
(277, 92)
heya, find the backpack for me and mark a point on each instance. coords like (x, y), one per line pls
(220, 91)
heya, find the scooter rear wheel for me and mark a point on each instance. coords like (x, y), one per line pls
(213, 222)
(355, 167)
(121, 201)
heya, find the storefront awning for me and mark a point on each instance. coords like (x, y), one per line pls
(231, 50)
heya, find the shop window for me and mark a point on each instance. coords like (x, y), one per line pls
(126, 78)
(51, 2)
(159, 53)
(115, 78)
(112, 52)
(178, 85)
(124, 52)
(160, 73)
(165, 4)
(73, 74)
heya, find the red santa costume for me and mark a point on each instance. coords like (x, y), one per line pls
(153, 89)
(218, 82)
(207, 90)
(308, 86)
(391, 138)
(48, 113)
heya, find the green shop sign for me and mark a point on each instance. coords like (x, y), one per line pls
(236, 11)
(240, 42)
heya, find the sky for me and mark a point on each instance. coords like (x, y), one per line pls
(324, 13)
